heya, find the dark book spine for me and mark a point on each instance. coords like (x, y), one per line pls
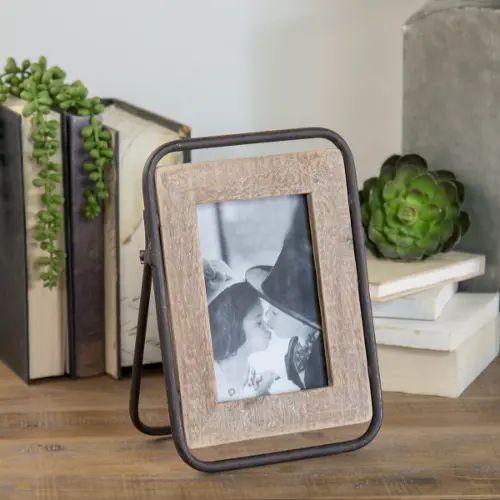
(85, 259)
(14, 347)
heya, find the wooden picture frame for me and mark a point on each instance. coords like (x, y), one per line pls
(352, 396)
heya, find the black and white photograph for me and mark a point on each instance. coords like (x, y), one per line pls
(262, 296)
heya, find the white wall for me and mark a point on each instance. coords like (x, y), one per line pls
(227, 66)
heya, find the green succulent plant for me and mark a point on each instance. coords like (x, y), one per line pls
(409, 212)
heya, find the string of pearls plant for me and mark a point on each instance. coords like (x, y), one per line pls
(44, 88)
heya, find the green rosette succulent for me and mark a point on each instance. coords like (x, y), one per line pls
(409, 212)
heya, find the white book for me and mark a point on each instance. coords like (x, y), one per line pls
(389, 279)
(426, 305)
(439, 373)
(464, 314)
(136, 134)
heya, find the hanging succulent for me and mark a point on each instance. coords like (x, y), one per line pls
(409, 212)
(44, 88)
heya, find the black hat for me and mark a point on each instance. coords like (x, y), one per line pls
(290, 285)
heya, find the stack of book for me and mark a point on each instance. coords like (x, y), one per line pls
(432, 338)
(86, 325)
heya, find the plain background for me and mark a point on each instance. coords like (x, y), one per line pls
(227, 66)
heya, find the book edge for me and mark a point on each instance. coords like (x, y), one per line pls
(446, 340)
(393, 289)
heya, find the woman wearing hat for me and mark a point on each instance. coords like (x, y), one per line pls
(290, 288)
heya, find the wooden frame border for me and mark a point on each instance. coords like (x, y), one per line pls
(319, 175)
(168, 342)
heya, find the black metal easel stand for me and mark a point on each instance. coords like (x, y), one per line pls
(152, 261)
(135, 386)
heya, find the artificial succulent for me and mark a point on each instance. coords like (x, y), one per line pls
(409, 212)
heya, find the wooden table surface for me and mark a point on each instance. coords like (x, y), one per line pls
(73, 439)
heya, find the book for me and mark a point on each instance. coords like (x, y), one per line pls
(439, 372)
(426, 305)
(32, 318)
(464, 314)
(85, 260)
(389, 279)
(136, 133)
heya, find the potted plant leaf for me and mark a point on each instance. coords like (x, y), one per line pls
(410, 212)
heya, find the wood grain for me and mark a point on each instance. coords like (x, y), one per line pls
(65, 439)
(320, 175)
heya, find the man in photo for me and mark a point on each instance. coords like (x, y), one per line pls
(291, 291)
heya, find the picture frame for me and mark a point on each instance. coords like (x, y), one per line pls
(173, 260)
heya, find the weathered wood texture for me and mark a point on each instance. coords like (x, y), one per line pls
(320, 175)
(64, 439)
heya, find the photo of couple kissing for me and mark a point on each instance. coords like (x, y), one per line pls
(265, 320)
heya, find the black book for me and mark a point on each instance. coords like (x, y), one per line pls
(85, 259)
(33, 324)
(49, 332)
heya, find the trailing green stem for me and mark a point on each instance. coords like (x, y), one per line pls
(44, 89)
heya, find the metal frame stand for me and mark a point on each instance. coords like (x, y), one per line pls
(154, 273)
(135, 386)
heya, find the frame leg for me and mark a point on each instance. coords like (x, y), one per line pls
(135, 386)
